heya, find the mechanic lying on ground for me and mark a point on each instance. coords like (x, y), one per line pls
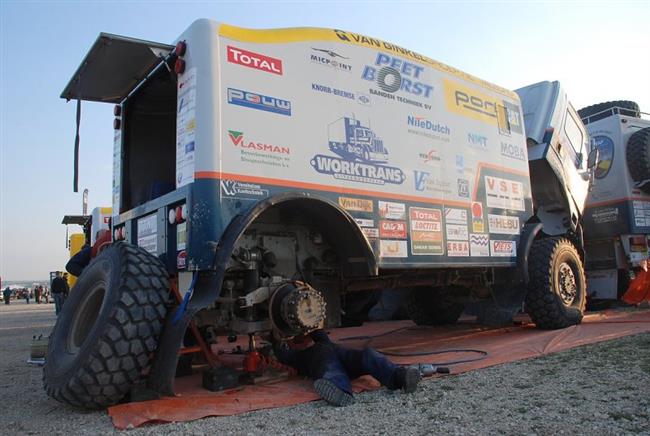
(332, 366)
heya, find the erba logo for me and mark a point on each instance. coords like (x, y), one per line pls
(259, 101)
(330, 58)
(254, 60)
(237, 139)
(477, 105)
(393, 74)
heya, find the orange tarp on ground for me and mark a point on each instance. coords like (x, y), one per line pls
(502, 345)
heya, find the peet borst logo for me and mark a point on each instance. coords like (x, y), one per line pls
(259, 101)
(254, 60)
(392, 229)
(237, 139)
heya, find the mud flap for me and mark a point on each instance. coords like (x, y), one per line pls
(639, 289)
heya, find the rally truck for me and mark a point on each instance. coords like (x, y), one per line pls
(617, 217)
(229, 195)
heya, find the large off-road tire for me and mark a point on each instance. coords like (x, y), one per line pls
(557, 290)
(628, 108)
(109, 327)
(426, 306)
(638, 157)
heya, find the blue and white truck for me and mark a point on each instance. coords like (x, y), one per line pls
(231, 185)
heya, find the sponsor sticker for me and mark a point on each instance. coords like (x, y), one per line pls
(371, 232)
(397, 79)
(457, 248)
(456, 232)
(426, 182)
(477, 141)
(472, 103)
(503, 224)
(364, 222)
(419, 125)
(235, 189)
(392, 248)
(333, 91)
(479, 245)
(478, 225)
(356, 204)
(258, 101)
(513, 151)
(181, 260)
(503, 248)
(254, 60)
(431, 157)
(330, 58)
(392, 229)
(455, 216)
(463, 188)
(148, 233)
(181, 236)
(426, 231)
(392, 211)
(504, 194)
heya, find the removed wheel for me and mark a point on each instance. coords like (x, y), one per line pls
(105, 335)
(426, 306)
(597, 112)
(638, 157)
(556, 295)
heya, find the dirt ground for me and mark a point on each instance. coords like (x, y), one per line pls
(597, 389)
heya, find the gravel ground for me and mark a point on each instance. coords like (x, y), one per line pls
(601, 389)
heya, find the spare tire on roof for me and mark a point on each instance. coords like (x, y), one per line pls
(597, 112)
(638, 158)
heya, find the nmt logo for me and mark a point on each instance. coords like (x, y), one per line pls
(259, 101)
(477, 141)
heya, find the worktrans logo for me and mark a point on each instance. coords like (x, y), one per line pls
(254, 60)
(394, 75)
(472, 103)
(259, 101)
(361, 155)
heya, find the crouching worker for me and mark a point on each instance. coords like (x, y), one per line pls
(332, 367)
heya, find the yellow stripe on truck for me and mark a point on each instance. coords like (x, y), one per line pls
(302, 34)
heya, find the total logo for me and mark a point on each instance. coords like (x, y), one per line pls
(237, 139)
(330, 58)
(259, 101)
(254, 60)
(393, 74)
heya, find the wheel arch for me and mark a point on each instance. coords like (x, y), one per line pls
(337, 226)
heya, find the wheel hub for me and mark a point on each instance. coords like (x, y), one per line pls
(568, 286)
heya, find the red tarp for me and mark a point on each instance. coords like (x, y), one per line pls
(639, 289)
(502, 345)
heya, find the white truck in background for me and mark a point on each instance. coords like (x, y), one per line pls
(617, 218)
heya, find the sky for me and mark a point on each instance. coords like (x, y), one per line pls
(597, 50)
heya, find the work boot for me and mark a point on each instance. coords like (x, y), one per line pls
(407, 378)
(332, 393)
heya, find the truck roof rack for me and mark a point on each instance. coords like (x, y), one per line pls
(113, 68)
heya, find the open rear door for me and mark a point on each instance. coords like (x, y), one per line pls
(113, 68)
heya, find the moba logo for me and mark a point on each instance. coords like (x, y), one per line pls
(254, 60)
(513, 151)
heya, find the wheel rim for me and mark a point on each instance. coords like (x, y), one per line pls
(86, 316)
(568, 285)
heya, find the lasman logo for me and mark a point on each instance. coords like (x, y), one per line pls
(254, 60)
(237, 139)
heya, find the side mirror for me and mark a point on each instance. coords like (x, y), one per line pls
(593, 158)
